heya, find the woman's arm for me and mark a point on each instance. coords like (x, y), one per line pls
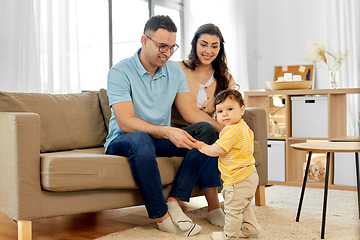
(191, 113)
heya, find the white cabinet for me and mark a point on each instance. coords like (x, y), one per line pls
(276, 160)
(344, 169)
(306, 115)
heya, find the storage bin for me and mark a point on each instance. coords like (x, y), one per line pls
(344, 169)
(276, 160)
(309, 116)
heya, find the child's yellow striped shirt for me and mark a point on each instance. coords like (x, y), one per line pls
(238, 163)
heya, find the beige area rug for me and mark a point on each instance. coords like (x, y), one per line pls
(277, 218)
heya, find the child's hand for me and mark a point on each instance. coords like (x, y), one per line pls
(200, 144)
(213, 150)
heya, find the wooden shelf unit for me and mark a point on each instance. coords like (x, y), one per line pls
(337, 131)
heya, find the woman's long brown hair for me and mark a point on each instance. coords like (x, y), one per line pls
(221, 74)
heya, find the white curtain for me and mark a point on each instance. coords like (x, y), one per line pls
(38, 46)
(19, 60)
(344, 33)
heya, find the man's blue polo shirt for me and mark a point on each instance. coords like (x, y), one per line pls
(152, 97)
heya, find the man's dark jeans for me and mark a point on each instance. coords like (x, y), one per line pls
(142, 151)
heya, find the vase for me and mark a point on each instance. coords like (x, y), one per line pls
(271, 126)
(333, 77)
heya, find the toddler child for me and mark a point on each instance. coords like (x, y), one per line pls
(237, 166)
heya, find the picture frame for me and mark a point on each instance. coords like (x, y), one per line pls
(307, 72)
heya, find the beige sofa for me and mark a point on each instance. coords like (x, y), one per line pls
(52, 159)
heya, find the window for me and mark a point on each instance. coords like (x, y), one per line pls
(128, 25)
(176, 17)
(104, 39)
(93, 45)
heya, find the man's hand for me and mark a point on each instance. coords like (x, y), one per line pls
(181, 138)
(200, 145)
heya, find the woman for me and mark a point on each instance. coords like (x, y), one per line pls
(207, 74)
(206, 70)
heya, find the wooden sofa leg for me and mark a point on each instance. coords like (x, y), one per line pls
(260, 196)
(24, 230)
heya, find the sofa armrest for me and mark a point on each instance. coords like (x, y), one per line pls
(259, 127)
(20, 185)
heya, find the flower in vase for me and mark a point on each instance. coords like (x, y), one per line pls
(317, 53)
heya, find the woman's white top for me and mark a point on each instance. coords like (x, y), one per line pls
(202, 97)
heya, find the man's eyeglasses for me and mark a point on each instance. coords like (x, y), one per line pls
(164, 47)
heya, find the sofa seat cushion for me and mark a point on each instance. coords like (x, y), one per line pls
(93, 169)
(87, 169)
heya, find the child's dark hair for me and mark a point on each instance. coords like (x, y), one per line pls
(160, 21)
(232, 93)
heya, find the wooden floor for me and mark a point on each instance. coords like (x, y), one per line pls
(87, 225)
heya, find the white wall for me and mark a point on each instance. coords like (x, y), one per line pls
(251, 29)
(228, 16)
(277, 34)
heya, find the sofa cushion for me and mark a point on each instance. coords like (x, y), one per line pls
(86, 169)
(104, 104)
(68, 121)
(257, 153)
(249, 118)
(92, 169)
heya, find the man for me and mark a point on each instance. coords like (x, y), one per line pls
(141, 91)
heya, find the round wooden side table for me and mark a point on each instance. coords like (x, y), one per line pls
(328, 147)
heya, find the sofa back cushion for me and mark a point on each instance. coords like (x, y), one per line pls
(68, 121)
(104, 104)
(249, 118)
